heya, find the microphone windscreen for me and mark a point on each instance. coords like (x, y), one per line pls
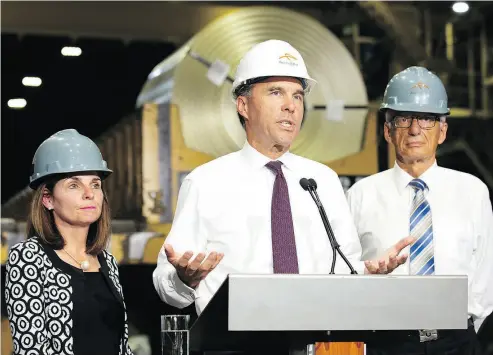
(313, 183)
(305, 184)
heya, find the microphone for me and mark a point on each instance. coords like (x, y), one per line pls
(313, 183)
(310, 185)
(307, 185)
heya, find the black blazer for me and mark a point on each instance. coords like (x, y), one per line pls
(38, 289)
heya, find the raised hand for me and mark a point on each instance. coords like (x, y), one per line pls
(391, 260)
(191, 272)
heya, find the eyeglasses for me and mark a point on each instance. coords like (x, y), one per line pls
(425, 122)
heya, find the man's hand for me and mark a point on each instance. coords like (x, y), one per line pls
(391, 260)
(192, 272)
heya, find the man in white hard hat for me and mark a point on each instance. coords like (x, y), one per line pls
(448, 212)
(246, 212)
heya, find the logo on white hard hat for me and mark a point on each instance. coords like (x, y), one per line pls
(288, 59)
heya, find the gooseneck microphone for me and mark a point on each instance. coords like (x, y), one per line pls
(310, 185)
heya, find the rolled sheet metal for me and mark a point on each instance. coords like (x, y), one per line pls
(208, 115)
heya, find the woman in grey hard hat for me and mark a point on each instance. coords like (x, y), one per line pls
(63, 292)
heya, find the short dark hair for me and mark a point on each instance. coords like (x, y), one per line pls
(245, 89)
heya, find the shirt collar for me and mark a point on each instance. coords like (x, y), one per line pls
(402, 178)
(257, 160)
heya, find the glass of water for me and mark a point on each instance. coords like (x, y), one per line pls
(175, 335)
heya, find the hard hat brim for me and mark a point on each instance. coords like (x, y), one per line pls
(309, 83)
(34, 184)
(405, 107)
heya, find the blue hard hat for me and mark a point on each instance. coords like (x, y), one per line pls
(66, 151)
(416, 89)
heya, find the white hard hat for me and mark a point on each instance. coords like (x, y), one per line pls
(272, 58)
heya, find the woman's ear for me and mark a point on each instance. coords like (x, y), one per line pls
(47, 199)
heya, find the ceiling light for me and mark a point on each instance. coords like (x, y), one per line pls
(71, 51)
(460, 7)
(17, 103)
(31, 81)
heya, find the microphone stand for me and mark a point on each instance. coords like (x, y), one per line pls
(311, 186)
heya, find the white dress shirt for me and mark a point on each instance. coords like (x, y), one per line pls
(462, 220)
(225, 206)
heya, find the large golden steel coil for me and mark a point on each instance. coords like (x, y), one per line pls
(208, 116)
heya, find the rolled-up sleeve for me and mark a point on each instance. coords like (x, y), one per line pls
(183, 236)
(482, 282)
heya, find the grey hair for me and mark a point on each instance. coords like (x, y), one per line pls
(243, 90)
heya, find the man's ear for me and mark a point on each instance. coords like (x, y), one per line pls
(242, 106)
(387, 132)
(443, 132)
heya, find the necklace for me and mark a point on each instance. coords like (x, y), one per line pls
(84, 265)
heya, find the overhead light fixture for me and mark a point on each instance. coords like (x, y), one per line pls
(71, 51)
(460, 7)
(17, 103)
(32, 81)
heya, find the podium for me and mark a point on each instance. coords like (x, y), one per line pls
(288, 312)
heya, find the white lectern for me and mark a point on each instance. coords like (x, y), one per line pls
(252, 312)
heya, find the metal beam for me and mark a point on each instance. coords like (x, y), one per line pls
(356, 44)
(155, 20)
(170, 21)
(460, 145)
(341, 17)
(403, 31)
(428, 30)
(449, 40)
(488, 81)
(458, 112)
(471, 73)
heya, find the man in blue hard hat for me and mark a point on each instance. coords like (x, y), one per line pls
(448, 212)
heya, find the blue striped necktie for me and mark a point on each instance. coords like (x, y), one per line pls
(421, 260)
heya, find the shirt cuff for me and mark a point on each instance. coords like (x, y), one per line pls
(181, 288)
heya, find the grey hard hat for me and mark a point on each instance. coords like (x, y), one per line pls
(416, 89)
(66, 151)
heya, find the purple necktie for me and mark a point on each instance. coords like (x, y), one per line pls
(283, 242)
